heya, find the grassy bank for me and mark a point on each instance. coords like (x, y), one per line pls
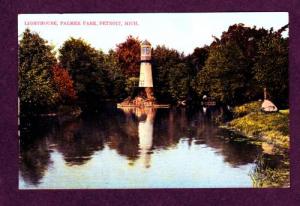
(269, 127)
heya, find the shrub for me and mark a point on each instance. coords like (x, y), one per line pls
(245, 109)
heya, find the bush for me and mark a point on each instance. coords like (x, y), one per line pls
(245, 109)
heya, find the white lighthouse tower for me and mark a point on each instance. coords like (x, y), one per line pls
(145, 79)
(145, 98)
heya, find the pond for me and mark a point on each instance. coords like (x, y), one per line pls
(134, 148)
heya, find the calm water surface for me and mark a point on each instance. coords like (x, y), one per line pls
(164, 148)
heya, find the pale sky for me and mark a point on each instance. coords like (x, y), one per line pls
(181, 31)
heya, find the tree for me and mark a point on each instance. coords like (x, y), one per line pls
(178, 79)
(196, 60)
(223, 76)
(64, 84)
(128, 54)
(195, 63)
(170, 74)
(37, 91)
(229, 71)
(245, 38)
(271, 66)
(116, 79)
(131, 85)
(86, 66)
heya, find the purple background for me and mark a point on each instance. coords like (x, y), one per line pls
(9, 193)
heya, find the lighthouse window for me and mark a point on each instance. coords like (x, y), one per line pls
(146, 51)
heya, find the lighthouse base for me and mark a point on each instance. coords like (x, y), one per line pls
(144, 99)
(132, 105)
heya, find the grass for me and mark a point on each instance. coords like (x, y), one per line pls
(266, 177)
(261, 127)
(245, 109)
(270, 127)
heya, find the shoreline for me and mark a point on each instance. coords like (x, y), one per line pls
(271, 131)
(272, 128)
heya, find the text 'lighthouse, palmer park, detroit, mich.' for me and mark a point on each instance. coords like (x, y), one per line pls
(145, 97)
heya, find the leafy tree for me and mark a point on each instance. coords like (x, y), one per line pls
(223, 76)
(195, 63)
(178, 80)
(86, 66)
(116, 79)
(128, 54)
(245, 38)
(64, 84)
(131, 85)
(170, 75)
(234, 70)
(196, 60)
(37, 91)
(271, 66)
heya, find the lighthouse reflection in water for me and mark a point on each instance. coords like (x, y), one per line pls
(145, 118)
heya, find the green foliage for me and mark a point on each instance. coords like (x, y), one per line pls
(233, 69)
(196, 60)
(272, 127)
(86, 66)
(224, 74)
(171, 75)
(242, 62)
(178, 79)
(36, 86)
(116, 78)
(132, 84)
(195, 63)
(247, 108)
(271, 67)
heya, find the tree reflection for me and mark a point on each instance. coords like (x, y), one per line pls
(34, 152)
(123, 135)
(77, 140)
(234, 148)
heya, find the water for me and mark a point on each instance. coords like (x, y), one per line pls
(164, 148)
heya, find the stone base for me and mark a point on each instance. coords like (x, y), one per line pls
(141, 102)
(144, 99)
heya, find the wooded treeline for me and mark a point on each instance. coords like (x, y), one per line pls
(234, 69)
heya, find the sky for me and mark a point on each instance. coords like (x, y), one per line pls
(181, 31)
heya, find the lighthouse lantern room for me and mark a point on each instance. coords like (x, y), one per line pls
(145, 79)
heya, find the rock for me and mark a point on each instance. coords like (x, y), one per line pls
(268, 106)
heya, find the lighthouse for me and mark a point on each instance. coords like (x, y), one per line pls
(145, 80)
(145, 97)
